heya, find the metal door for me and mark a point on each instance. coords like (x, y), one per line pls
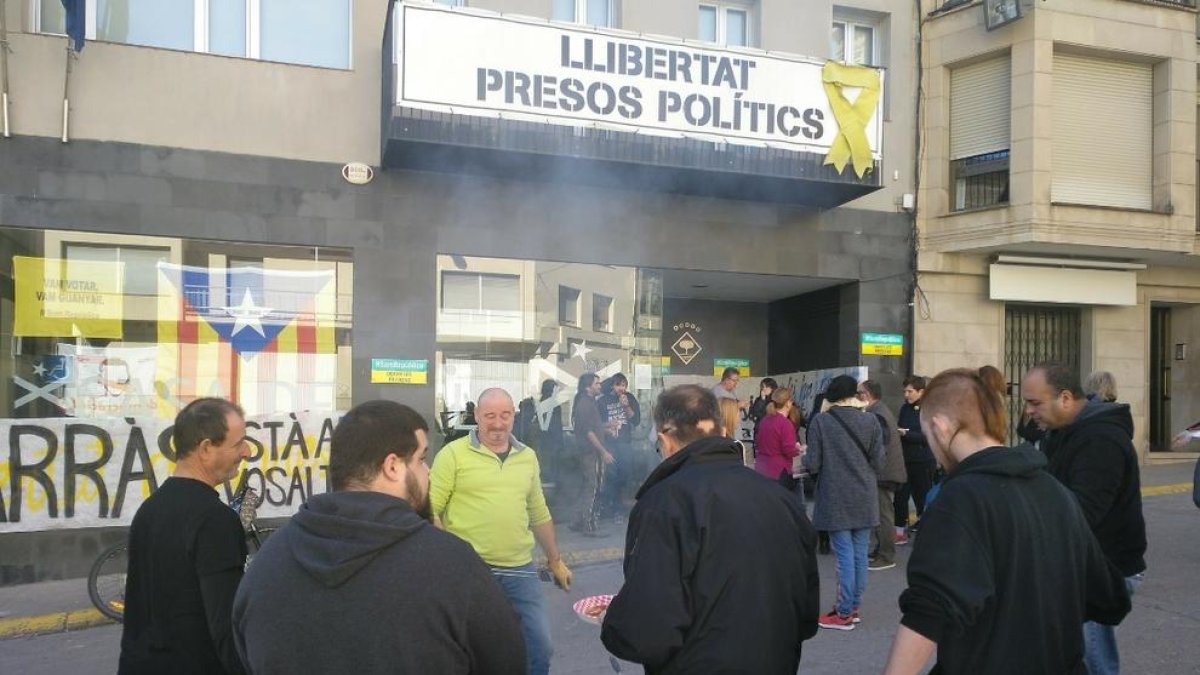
(1034, 334)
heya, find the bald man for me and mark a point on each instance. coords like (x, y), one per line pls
(486, 488)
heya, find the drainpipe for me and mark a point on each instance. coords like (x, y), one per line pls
(4, 69)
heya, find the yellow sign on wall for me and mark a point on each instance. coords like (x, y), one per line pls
(67, 298)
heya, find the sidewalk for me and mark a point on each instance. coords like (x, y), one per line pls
(56, 606)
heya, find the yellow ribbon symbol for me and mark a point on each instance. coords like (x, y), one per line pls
(851, 143)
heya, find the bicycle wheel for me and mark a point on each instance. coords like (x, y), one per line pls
(106, 581)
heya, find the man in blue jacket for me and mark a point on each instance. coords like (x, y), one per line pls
(1089, 449)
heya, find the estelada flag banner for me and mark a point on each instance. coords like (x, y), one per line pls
(67, 298)
(262, 335)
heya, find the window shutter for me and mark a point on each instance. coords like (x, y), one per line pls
(980, 104)
(1103, 132)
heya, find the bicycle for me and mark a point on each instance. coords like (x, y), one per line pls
(106, 580)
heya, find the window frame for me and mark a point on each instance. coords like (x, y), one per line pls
(849, 23)
(722, 7)
(200, 26)
(563, 319)
(598, 298)
(478, 277)
(581, 7)
(67, 246)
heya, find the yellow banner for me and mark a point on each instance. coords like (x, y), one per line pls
(851, 144)
(399, 377)
(882, 350)
(67, 298)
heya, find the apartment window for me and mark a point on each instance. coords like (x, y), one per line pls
(1103, 132)
(854, 42)
(568, 306)
(451, 3)
(725, 24)
(473, 292)
(306, 32)
(980, 114)
(590, 12)
(602, 313)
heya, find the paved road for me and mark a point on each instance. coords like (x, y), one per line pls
(1158, 638)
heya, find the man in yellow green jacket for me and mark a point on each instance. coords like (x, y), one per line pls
(486, 488)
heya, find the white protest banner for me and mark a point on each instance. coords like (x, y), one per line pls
(64, 473)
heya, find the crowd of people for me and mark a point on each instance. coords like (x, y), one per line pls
(407, 567)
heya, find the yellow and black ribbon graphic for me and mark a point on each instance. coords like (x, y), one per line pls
(851, 144)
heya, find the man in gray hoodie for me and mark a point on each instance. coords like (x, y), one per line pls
(360, 582)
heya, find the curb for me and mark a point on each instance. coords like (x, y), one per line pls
(57, 622)
(1158, 490)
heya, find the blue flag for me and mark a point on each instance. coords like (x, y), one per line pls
(76, 21)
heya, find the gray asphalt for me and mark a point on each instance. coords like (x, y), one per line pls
(1159, 637)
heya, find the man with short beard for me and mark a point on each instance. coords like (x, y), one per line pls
(359, 581)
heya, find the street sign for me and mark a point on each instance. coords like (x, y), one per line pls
(742, 365)
(883, 344)
(399, 371)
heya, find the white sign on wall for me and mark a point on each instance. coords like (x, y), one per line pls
(469, 62)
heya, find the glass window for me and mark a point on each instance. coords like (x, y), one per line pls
(140, 264)
(598, 12)
(227, 27)
(837, 41)
(864, 46)
(708, 23)
(499, 292)
(53, 17)
(153, 23)
(602, 311)
(450, 3)
(568, 306)
(310, 32)
(735, 28)
(564, 10)
(460, 290)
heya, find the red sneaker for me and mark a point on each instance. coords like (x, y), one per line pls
(902, 539)
(836, 621)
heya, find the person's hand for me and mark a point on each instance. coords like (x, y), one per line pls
(607, 457)
(562, 574)
(625, 400)
(801, 448)
(1180, 441)
(743, 403)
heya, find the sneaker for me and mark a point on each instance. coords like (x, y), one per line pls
(901, 539)
(854, 618)
(877, 565)
(835, 621)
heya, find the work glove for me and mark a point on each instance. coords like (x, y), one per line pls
(562, 574)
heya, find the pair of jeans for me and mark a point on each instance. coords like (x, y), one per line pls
(616, 476)
(850, 550)
(1100, 642)
(524, 591)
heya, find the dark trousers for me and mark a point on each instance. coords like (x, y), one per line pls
(616, 476)
(920, 479)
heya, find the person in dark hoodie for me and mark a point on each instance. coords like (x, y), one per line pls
(359, 581)
(1089, 449)
(720, 568)
(919, 467)
(1006, 567)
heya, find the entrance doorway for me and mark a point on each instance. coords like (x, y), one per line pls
(1160, 378)
(1034, 334)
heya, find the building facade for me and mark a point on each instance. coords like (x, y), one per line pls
(1057, 198)
(284, 203)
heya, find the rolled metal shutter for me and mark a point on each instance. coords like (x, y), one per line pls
(980, 104)
(1103, 132)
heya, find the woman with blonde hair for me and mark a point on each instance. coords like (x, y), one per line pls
(731, 424)
(1101, 386)
(1005, 555)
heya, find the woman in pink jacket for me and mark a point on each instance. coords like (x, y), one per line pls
(775, 445)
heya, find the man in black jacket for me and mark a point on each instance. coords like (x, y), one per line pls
(359, 581)
(720, 565)
(1089, 449)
